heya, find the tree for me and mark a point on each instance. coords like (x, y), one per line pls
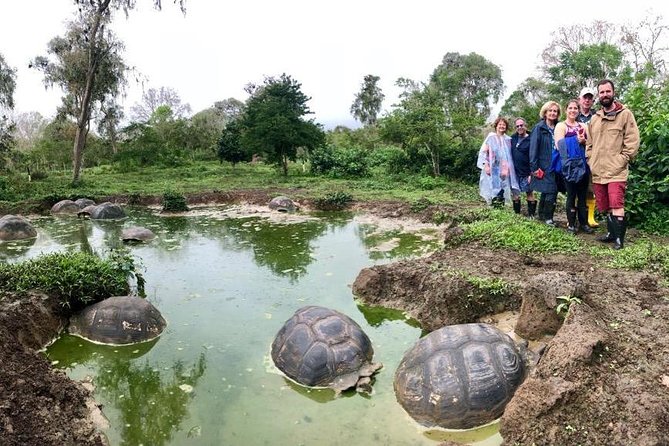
(154, 98)
(526, 101)
(368, 101)
(585, 67)
(419, 123)
(7, 87)
(230, 146)
(273, 121)
(29, 128)
(87, 65)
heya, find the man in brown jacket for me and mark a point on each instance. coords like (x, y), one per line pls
(612, 142)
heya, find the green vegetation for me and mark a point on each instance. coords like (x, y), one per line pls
(333, 201)
(502, 229)
(174, 202)
(77, 278)
(644, 254)
(565, 304)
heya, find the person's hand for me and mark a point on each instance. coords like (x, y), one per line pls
(529, 178)
(487, 169)
(581, 135)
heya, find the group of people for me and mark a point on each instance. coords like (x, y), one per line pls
(587, 153)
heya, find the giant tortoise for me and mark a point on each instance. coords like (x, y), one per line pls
(282, 204)
(137, 234)
(460, 376)
(107, 211)
(118, 320)
(320, 347)
(15, 227)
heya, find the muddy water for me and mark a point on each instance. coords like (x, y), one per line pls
(225, 286)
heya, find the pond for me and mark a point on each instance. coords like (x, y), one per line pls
(226, 286)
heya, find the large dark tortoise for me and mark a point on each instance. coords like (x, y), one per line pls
(16, 227)
(460, 376)
(118, 320)
(137, 234)
(282, 204)
(320, 347)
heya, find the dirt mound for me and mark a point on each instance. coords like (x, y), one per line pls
(38, 405)
(603, 378)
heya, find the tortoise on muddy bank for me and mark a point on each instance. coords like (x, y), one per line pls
(118, 320)
(282, 204)
(460, 376)
(15, 227)
(320, 347)
(137, 234)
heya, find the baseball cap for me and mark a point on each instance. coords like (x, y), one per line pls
(586, 90)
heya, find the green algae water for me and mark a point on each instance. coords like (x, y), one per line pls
(226, 286)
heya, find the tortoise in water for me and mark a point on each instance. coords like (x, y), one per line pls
(137, 234)
(15, 227)
(282, 204)
(320, 347)
(118, 320)
(460, 376)
(65, 207)
(107, 211)
(83, 202)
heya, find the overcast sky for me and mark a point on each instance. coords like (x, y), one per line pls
(221, 45)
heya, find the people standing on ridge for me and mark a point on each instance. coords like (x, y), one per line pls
(572, 151)
(585, 100)
(498, 178)
(612, 142)
(541, 151)
(520, 152)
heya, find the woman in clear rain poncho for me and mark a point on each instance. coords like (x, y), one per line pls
(498, 177)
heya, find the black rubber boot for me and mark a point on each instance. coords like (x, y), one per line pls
(610, 235)
(531, 208)
(516, 206)
(621, 228)
(542, 208)
(549, 210)
(571, 221)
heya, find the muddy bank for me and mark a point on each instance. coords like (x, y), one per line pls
(604, 376)
(38, 405)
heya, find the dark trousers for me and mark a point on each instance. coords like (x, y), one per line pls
(576, 195)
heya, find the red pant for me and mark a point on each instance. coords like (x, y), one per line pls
(610, 196)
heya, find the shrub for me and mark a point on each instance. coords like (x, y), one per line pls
(334, 201)
(339, 162)
(174, 202)
(78, 278)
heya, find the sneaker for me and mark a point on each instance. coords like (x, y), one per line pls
(550, 222)
(572, 229)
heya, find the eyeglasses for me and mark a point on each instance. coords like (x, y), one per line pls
(520, 125)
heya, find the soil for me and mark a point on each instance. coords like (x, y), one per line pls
(601, 373)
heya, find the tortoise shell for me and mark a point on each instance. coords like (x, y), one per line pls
(16, 227)
(320, 347)
(118, 320)
(460, 376)
(282, 204)
(137, 233)
(107, 211)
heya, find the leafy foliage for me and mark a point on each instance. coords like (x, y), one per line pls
(78, 279)
(506, 230)
(273, 122)
(339, 162)
(229, 145)
(648, 183)
(333, 201)
(368, 101)
(174, 202)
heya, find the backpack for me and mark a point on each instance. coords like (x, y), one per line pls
(569, 160)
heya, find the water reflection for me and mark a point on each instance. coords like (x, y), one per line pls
(15, 248)
(376, 316)
(152, 402)
(394, 244)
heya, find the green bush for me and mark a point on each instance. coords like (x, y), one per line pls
(174, 202)
(78, 279)
(339, 162)
(334, 201)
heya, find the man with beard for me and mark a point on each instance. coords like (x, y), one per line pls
(612, 142)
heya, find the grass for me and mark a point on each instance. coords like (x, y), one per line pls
(203, 176)
(499, 228)
(643, 254)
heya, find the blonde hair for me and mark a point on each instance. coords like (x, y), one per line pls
(546, 106)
